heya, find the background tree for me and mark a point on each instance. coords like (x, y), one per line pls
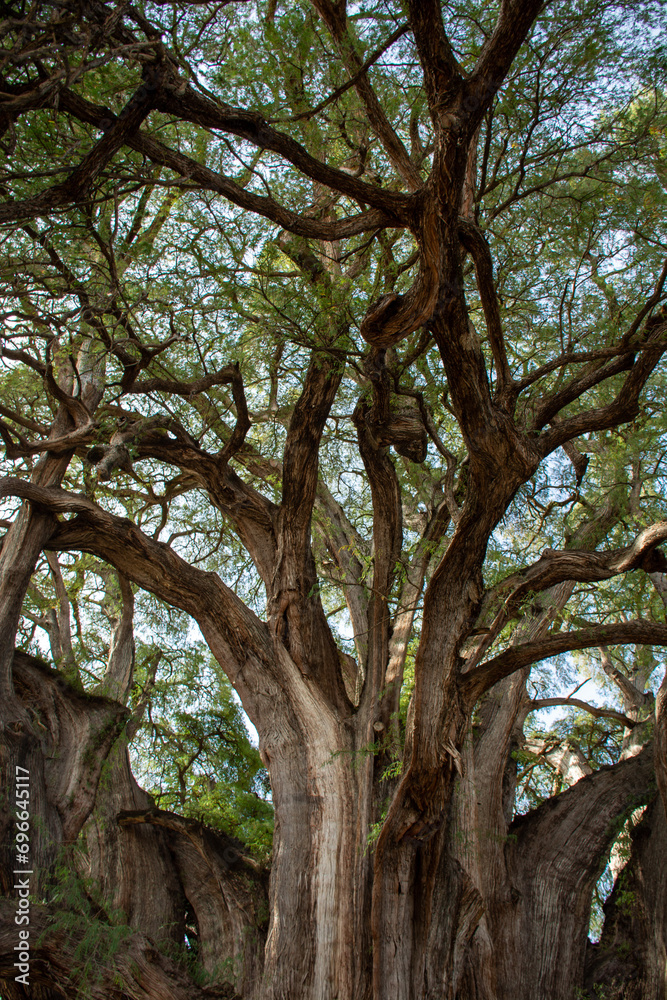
(340, 331)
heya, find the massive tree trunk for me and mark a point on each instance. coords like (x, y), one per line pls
(61, 755)
(133, 867)
(630, 960)
(554, 857)
(226, 893)
(455, 899)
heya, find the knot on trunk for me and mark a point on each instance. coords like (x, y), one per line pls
(108, 458)
(654, 561)
(377, 327)
(405, 431)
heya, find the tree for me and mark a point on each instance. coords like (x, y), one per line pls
(340, 330)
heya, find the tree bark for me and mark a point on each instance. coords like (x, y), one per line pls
(133, 866)
(227, 895)
(630, 960)
(539, 920)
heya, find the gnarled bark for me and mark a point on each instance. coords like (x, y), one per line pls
(630, 960)
(553, 857)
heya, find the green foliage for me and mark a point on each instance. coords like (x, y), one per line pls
(151, 271)
(195, 756)
(80, 915)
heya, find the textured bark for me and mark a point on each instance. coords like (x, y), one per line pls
(553, 857)
(227, 893)
(661, 740)
(133, 866)
(318, 943)
(63, 751)
(455, 900)
(630, 960)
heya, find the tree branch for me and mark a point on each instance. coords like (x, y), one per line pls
(252, 127)
(267, 207)
(295, 608)
(514, 22)
(229, 375)
(626, 404)
(238, 638)
(251, 514)
(334, 17)
(474, 242)
(481, 678)
(442, 73)
(597, 713)
(387, 533)
(203, 838)
(352, 82)
(71, 190)
(580, 565)
(345, 546)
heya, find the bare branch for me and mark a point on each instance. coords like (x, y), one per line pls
(387, 533)
(295, 609)
(479, 680)
(626, 404)
(633, 697)
(251, 513)
(119, 672)
(352, 82)
(597, 713)
(203, 838)
(514, 22)
(148, 563)
(57, 446)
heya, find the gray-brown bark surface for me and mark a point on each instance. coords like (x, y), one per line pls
(630, 959)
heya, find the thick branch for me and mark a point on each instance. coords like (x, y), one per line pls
(301, 456)
(238, 638)
(229, 375)
(206, 179)
(474, 242)
(352, 82)
(164, 439)
(597, 713)
(57, 446)
(512, 27)
(387, 536)
(252, 127)
(580, 565)
(345, 546)
(295, 607)
(442, 74)
(479, 680)
(202, 838)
